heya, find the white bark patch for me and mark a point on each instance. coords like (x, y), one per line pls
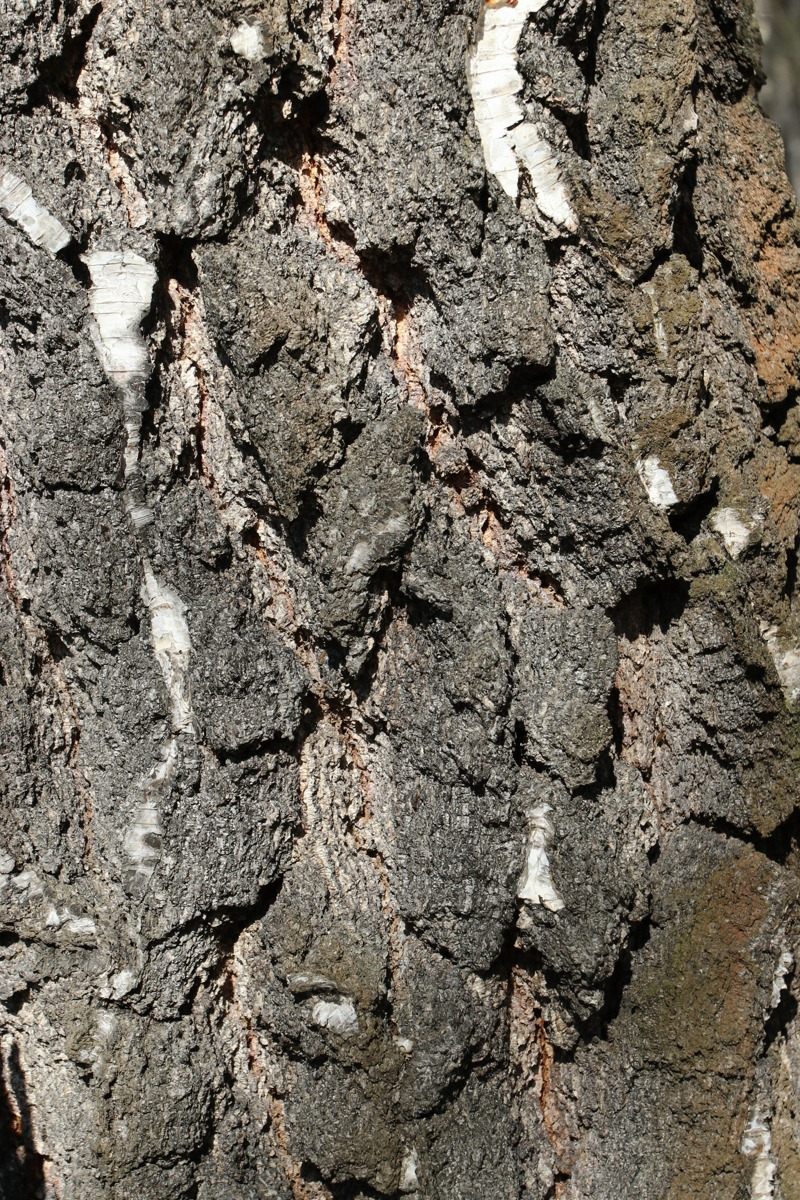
(26, 885)
(169, 635)
(303, 982)
(784, 966)
(734, 532)
(121, 984)
(787, 662)
(656, 482)
(143, 840)
(105, 1025)
(17, 204)
(69, 923)
(339, 1016)
(247, 42)
(659, 330)
(508, 140)
(121, 295)
(120, 298)
(536, 884)
(408, 1172)
(757, 1144)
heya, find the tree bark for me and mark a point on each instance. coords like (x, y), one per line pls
(400, 643)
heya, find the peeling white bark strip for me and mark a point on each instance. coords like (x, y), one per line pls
(783, 968)
(656, 482)
(409, 1181)
(339, 1016)
(247, 41)
(787, 661)
(536, 884)
(757, 1144)
(17, 204)
(732, 528)
(143, 839)
(509, 140)
(120, 298)
(169, 634)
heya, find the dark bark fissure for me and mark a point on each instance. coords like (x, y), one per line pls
(58, 76)
(23, 1165)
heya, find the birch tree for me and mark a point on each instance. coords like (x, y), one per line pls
(400, 459)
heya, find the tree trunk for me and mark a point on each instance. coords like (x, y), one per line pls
(400, 647)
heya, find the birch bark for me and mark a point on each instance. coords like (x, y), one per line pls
(399, 632)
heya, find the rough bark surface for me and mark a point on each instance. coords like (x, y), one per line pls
(400, 643)
(779, 23)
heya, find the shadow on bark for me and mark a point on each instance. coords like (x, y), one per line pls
(21, 1166)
